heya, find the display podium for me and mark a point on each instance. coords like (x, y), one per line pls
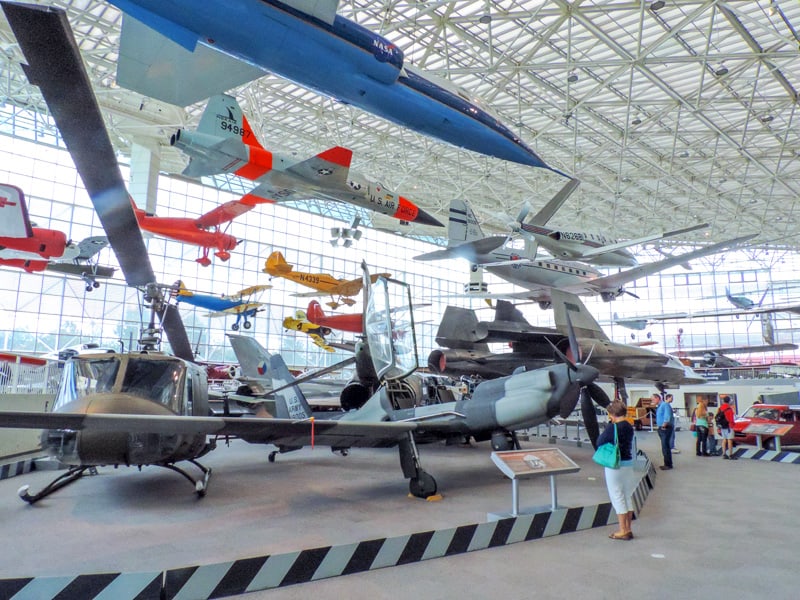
(528, 464)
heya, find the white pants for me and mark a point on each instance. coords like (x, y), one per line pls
(621, 484)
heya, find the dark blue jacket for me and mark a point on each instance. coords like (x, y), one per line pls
(624, 438)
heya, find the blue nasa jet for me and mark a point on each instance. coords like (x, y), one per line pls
(184, 51)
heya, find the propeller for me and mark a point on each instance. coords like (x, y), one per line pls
(581, 387)
(55, 65)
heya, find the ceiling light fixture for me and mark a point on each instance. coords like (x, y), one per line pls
(636, 120)
(485, 19)
(572, 77)
(721, 70)
(657, 5)
(766, 118)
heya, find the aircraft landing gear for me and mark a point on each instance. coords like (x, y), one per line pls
(272, 455)
(423, 486)
(235, 327)
(200, 484)
(204, 261)
(420, 484)
(247, 324)
(73, 474)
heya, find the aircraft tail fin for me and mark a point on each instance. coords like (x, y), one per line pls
(223, 117)
(276, 264)
(583, 323)
(548, 210)
(463, 225)
(254, 360)
(180, 290)
(314, 311)
(290, 402)
(506, 311)
(460, 328)
(15, 222)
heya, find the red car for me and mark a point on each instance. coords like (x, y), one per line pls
(777, 414)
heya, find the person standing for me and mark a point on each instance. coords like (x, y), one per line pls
(621, 483)
(725, 424)
(701, 428)
(672, 447)
(665, 421)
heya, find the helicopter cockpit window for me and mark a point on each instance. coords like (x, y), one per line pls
(83, 377)
(158, 380)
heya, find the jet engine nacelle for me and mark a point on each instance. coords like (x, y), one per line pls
(354, 395)
(609, 295)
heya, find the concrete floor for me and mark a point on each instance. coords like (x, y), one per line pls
(709, 529)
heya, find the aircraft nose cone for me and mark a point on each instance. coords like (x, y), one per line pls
(586, 374)
(424, 218)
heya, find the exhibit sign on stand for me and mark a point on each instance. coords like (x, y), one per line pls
(527, 464)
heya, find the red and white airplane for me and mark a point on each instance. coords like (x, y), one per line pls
(225, 143)
(203, 231)
(35, 249)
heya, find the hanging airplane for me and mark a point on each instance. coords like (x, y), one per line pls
(593, 248)
(35, 249)
(317, 333)
(340, 290)
(353, 323)
(175, 53)
(240, 304)
(225, 143)
(540, 276)
(202, 231)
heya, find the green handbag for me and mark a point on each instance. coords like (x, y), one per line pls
(607, 455)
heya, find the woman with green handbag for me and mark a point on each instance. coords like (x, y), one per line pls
(620, 482)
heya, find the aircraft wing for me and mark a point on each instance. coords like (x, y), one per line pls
(327, 169)
(253, 289)
(223, 213)
(287, 432)
(468, 250)
(90, 246)
(617, 280)
(793, 307)
(741, 349)
(179, 73)
(81, 270)
(600, 250)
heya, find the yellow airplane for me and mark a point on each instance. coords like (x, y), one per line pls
(340, 290)
(301, 323)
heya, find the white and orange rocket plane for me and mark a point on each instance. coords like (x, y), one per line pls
(225, 143)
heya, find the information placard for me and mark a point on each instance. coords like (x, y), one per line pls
(519, 464)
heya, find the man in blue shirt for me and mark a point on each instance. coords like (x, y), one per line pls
(665, 420)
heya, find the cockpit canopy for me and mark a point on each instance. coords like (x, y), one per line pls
(154, 377)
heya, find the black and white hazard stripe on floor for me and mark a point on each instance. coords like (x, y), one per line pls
(278, 570)
(792, 458)
(16, 468)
